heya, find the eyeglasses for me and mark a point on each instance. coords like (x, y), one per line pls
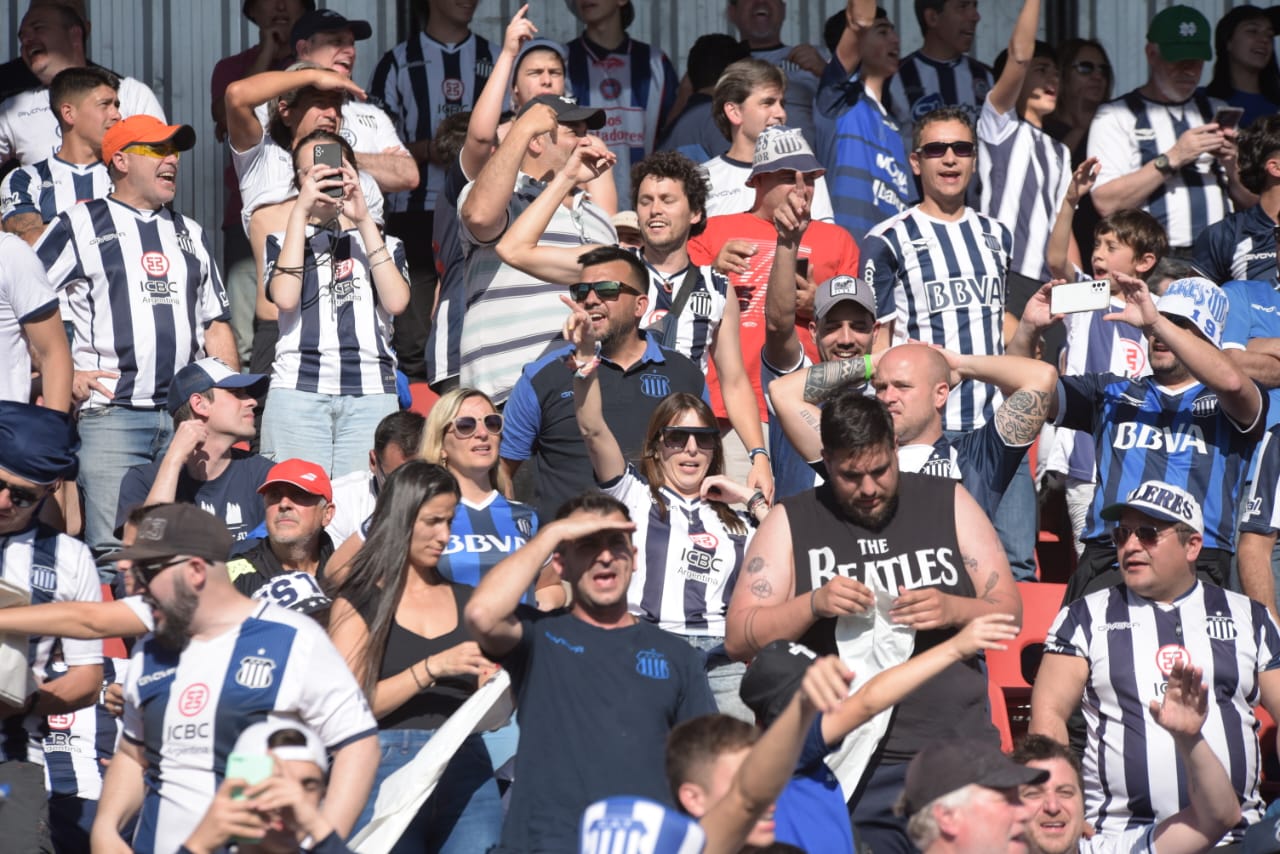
(1086, 68)
(604, 290)
(145, 573)
(1148, 535)
(20, 497)
(155, 150)
(934, 150)
(464, 426)
(678, 437)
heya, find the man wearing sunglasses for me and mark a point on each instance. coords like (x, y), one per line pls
(216, 662)
(1115, 650)
(144, 298)
(37, 450)
(635, 371)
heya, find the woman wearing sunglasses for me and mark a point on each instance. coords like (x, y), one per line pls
(398, 622)
(337, 282)
(689, 542)
(1085, 78)
(1244, 68)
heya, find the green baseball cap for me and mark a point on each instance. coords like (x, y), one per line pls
(1181, 33)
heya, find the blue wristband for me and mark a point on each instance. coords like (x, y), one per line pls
(751, 454)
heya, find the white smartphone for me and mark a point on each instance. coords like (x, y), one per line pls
(1080, 296)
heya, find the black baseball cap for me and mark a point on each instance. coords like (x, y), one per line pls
(568, 110)
(176, 529)
(772, 678)
(328, 21)
(948, 766)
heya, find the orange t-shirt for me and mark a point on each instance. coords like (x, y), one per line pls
(830, 251)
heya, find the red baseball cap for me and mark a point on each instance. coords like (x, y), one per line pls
(145, 128)
(307, 476)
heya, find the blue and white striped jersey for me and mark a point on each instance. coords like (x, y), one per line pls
(75, 743)
(1239, 246)
(1132, 776)
(1023, 174)
(338, 339)
(185, 710)
(484, 534)
(25, 296)
(1144, 431)
(870, 176)
(1131, 131)
(141, 287)
(444, 341)
(1261, 509)
(51, 186)
(944, 283)
(29, 131)
(686, 563)
(698, 321)
(422, 81)
(55, 568)
(1096, 346)
(635, 85)
(511, 316)
(923, 85)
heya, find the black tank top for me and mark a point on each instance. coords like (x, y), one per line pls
(916, 549)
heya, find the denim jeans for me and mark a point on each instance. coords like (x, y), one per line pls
(463, 814)
(1016, 520)
(334, 431)
(113, 439)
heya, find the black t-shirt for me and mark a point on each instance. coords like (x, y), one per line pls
(231, 496)
(433, 706)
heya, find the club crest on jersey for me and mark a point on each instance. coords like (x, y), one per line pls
(185, 244)
(993, 242)
(452, 89)
(1222, 627)
(1169, 655)
(700, 304)
(610, 88)
(652, 664)
(256, 672)
(655, 385)
(44, 578)
(524, 526)
(1205, 406)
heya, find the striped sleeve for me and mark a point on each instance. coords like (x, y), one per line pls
(1067, 636)
(1268, 638)
(214, 305)
(58, 253)
(16, 196)
(1261, 510)
(880, 272)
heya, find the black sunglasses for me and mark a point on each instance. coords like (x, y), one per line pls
(934, 150)
(605, 290)
(20, 497)
(1148, 535)
(464, 426)
(678, 437)
(145, 573)
(1086, 67)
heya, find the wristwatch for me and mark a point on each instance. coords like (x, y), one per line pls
(1163, 166)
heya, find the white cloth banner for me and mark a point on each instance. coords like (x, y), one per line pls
(404, 792)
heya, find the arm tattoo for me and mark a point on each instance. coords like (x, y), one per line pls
(755, 565)
(826, 377)
(761, 588)
(808, 418)
(1021, 416)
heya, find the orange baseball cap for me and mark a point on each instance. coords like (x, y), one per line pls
(305, 475)
(144, 128)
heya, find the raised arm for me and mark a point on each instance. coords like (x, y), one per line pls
(486, 115)
(859, 16)
(791, 219)
(984, 559)
(388, 279)
(739, 397)
(519, 244)
(1036, 318)
(1027, 385)
(244, 129)
(484, 213)
(1058, 251)
(1022, 47)
(607, 459)
(797, 396)
(79, 620)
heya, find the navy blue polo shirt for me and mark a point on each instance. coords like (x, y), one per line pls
(540, 421)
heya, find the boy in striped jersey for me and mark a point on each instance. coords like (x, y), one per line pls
(1117, 648)
(86, 102)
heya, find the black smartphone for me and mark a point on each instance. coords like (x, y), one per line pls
(329, 154)
(802, 267)
(1228, 118)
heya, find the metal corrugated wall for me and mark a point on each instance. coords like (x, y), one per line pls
(173, 45)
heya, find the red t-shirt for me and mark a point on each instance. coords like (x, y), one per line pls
(831, 252)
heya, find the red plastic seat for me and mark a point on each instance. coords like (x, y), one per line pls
(1010, 672)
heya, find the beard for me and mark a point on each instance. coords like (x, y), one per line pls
(872, 520)
(173, 628)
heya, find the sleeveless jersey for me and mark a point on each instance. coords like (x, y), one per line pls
(916, 549)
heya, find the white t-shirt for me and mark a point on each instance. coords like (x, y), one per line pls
(354, 495)
(25, 294)
(29, 130)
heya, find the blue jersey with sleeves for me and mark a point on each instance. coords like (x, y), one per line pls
(1239, 246)
(1145, 431)
(1254, 313)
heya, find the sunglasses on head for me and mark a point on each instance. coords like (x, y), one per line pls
(678, 437)
(934, 150)
(156, 150)
(1148, 535)
(20, 497)
(605, 290)
(465, 426)
(1086, 68)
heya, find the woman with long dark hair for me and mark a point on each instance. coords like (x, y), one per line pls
(398, 623)
(1085, 77)
(1244, 66)
(689, 541)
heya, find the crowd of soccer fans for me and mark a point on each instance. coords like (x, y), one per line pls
(570, 453)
